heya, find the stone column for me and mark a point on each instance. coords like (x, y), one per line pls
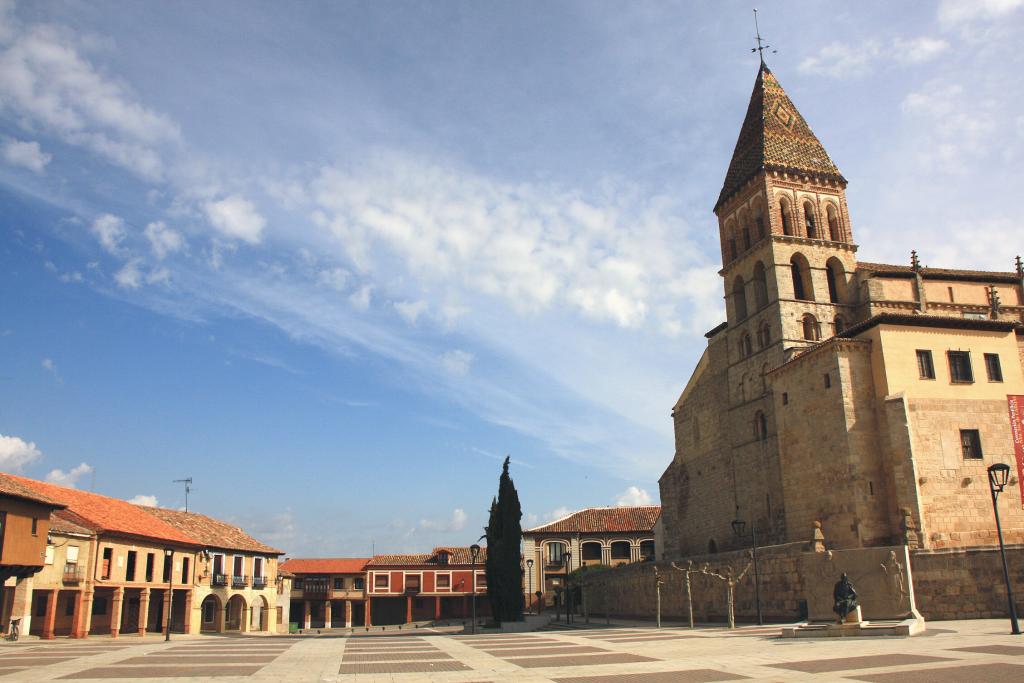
(143, 611)
(22, 604)
(187, 626)
(437, 608)
(83, 615)
(367, 612)
(348, 614)
(51, 615)
(115, 611)
(309, 613)
(327, 614)
(408, 609)
(168, 615)
(77, 618)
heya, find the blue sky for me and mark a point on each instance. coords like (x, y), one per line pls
(333, 261)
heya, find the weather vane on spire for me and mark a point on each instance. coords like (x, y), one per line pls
(760, 46)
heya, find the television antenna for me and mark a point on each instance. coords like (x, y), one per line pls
(188, 487)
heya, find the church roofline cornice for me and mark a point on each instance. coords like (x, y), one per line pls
(932, 321)
(803, 173)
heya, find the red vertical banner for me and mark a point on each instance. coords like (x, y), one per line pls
(1016, 404)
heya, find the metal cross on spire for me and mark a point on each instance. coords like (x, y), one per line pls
(761, 46)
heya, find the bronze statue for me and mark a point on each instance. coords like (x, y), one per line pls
(845, 598)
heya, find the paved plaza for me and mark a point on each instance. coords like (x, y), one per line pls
(979, 650)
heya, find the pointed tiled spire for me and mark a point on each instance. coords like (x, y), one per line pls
(774, 136)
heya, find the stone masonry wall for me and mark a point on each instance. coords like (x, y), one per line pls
(948, 584)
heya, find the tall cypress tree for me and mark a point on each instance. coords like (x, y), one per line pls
(504, 552)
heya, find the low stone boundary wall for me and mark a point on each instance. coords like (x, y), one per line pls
(948, 584)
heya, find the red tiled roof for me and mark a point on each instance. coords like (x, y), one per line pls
(211, 532)
(67, 522)
(105, 514)
(325, 565)
(457, 556)
(13, 486)
(774, 136)
(601, 520)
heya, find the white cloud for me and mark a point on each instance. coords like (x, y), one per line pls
(163, 240)
(633, 496)
(952, 126)
(237, 218)
(15, 453)
(843, 60)
(457, 362)
(130, 275)
(51, 367)
(49, 85)
(457, 522)
(26, 154)
(109, 230)
(335, 278)
(141, 499)
(558, 513)
(411, 310)
(69, 478)
(953, 12)
(360, 299)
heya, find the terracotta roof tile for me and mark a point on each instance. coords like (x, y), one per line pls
(458, 555)
(601, 520)
(211, 532)
(14, 486)
(774, 136)
(325, 565)
(105, 514)
(67, 522)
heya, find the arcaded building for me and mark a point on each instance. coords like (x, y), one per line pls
(869, 397)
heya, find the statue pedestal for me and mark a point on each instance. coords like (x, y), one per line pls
(856, 627)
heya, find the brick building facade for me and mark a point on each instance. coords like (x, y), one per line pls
(869, 397)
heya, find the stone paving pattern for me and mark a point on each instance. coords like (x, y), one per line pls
(980, 650)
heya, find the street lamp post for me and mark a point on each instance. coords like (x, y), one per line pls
(474, 550)
(529, 580)
(738, 526)
(997, 476)
(168, 560)
(568, 587)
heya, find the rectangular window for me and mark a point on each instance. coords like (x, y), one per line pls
(48, 559)
(339, 584)
(785, 398)
(444, 580)
(35, 526)
(168, 562)
(481, 580)
(925, 367)
(108, 557)
(556, 551)
(72, 554)
(828, 380)
(960, 366)
(970, 442)
(257, 567)
(184, 570)
(149, 567)
(993, 368)
(358, 584)
(380, 581)
(412, 582)
(129, 570)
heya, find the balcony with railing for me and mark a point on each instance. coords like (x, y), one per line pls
(219, 580)
(259, 582)
(239, 581)
(73, 573)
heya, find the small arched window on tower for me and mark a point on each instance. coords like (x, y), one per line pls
(801, 273)
(764, 336)
(739, 298)
(835, 232)
(746, 235)
(812, 229)
(746, 347)
(839, 325)
(712, 547)
(759, 227)
(764, 378)
(835, 275)
(786, 215)
(811, 330)
(760, 286)
(730, 238)
(761, 426)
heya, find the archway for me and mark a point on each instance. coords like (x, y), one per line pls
(620, 552)
(739, 298)
(590, 552)
(211, 615)
(258, 619)
(800, 269)
(835, 231)
(236, 614)
(835, 274)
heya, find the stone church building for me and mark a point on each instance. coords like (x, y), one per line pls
(867, 396)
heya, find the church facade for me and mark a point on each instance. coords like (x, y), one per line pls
(868, 397)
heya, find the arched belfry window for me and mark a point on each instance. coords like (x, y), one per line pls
(811, 330)
(835, 232)
(730, 240)
(746, 236)
(739, 298)
(760, 286)
(759, 227)
(786, 215)
(812, 229)
(803, 288)
(835, 275)
(764, 336)
(746, 347)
